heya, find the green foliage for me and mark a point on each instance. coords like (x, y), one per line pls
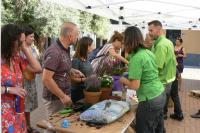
(85, 21)
(100, 26)
(118, 71)
(106, 81)
(55, 14)
(46, 17)
(18, 11)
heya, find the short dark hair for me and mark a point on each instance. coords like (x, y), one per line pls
(133, 39)
(180, 39)
(9, 34)
(155, 23)
(28, 30)
(82, 47)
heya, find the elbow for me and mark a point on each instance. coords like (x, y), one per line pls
(38, 69)
(135, 84)
(135, 87)
(45, 80)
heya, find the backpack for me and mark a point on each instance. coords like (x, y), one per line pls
(93, 54)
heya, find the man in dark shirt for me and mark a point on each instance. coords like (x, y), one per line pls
(57, 70)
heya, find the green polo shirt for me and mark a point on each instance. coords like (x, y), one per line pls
(165, 59)
(142, 67)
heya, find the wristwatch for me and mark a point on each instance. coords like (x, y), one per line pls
(8, 90)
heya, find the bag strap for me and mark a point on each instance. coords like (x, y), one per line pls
(99, 56)
(100, 62)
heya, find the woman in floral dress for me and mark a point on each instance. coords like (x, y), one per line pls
(12, 65)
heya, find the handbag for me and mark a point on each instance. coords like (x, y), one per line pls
(105, 65)
(28, 75)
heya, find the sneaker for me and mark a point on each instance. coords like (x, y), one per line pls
(177, 117)
(197, 115)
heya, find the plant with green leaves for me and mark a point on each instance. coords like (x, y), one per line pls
(19, 11)
(100, 26)
(46, 17)
(55, 14)
(106, 81)
(85, 21)
(93, 84)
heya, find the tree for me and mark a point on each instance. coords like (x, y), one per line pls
(100, 26)
(18, 11)
(85, 21)
(46, 17)
(55, 14)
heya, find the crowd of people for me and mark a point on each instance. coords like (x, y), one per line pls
(154, 71)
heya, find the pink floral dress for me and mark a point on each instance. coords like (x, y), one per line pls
(12, 122)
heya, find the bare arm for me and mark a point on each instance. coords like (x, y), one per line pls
(13, 90)
(132, 84)
(76, 73)
(78, 79)
(117, 56)
(49, 82)
(184, 53)
(34, 65)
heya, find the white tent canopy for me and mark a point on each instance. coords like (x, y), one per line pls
(174, 14)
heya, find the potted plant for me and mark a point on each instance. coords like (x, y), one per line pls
(92, 91)
(117, 74)
(106, 86)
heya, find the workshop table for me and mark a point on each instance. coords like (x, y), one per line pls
(78, 126)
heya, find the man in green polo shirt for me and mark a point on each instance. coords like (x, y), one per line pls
(165, 58)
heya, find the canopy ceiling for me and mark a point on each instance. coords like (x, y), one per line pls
(174, 14)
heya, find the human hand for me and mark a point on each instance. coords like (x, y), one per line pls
(22, 42)
(76, 73)
(18, 91)
(122, 80)
(66, 100)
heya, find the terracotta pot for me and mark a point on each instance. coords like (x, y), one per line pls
(92, 97)
(105, 93)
